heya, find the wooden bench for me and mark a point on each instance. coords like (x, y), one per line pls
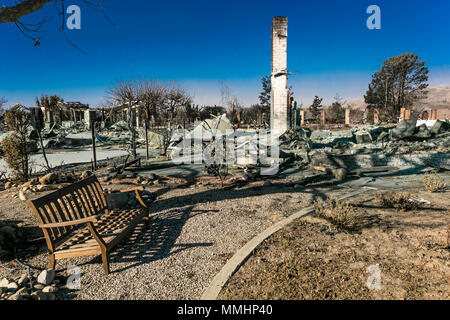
(76, 221)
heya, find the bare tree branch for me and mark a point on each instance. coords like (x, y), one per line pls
(14, 13)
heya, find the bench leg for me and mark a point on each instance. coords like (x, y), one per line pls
(105, 261)
(52, 262)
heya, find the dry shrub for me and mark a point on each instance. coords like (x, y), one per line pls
(340, 213)
(433, 183)
(16, 156)
(16, 146)
(397, 200)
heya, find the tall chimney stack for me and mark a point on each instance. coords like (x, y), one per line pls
(279, 92)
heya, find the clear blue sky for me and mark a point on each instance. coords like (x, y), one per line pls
(200, 43)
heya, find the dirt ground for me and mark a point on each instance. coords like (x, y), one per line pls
(312, 259)
(197, 226)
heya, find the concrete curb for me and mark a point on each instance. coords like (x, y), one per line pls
(242, 254)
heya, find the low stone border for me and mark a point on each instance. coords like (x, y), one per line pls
(242, 254)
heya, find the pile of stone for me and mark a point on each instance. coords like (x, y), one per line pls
(408, 130)
(41, 184)
(149, 179)
(37, 286)
(302, 148)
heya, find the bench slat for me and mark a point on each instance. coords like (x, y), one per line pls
(80, 201)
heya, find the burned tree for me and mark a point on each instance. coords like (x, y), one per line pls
(152, 95)
(176, 97)
(49, 106)
(125, 93)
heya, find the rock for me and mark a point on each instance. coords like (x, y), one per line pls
(39, 295)
(8, 185)
(152, 176)
(21, 294)
(49, 289)
(42, 187)
(46, 277)
(404, 129)
(340, 174)
(48, 178)
(38, 286)
(298, 186)
(267, 183)
(12, 286)
(440, 127)
(22, 196)
(85, 174)
(23, 280)
(4, 283)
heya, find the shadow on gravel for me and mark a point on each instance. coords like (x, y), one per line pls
(236, 192)
(158, 242)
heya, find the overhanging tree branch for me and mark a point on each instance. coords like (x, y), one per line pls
(14, 13)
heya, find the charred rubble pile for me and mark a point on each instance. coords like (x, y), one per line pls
(303, 148)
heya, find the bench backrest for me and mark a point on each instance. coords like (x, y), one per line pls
(82, 199)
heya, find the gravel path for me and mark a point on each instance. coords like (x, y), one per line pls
(194, 231)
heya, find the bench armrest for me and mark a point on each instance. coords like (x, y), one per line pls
(69, 223)
(141, 201)
(138, 195)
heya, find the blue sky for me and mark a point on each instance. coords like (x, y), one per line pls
(201, 43)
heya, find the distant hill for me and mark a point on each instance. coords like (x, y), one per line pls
(438, 98)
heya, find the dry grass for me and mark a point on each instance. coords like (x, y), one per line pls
(397, 200)
(307, 260)
(340, 213)
(433, 183)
